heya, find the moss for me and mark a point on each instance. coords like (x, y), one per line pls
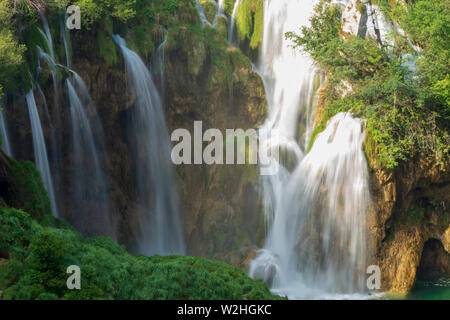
(209, 8)
(106, 48)
(30, 190)
(250, 22)
(140, 40)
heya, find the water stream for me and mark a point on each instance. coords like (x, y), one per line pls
(159, 220)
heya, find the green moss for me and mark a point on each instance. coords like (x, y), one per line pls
(209, 8)
(413, 216)
(30, 190)
(106, 48)
(250, 22)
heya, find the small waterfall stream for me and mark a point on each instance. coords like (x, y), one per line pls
(91, 203)
(6, 145)
(201, 14)
(40, 150)
(315, 207)
(232, 24)
(161, 231)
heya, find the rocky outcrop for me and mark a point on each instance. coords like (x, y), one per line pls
(411, 209)
(221, 204)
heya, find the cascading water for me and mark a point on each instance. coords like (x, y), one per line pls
(6, 146)
(91, 203)
(161, 231)
(201, 14)
(220, 11)
(158, 62)
(48, 56)
(40, 150)
(315, 206)
(232, 24)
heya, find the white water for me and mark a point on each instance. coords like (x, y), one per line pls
(220, 11)
(158, 61)
(315, 207)
(91, 203)
(232, 25)
(49, 57)
(161, 231)
(6, 146)
(40, 150)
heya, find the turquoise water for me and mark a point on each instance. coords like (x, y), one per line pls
(437, 289)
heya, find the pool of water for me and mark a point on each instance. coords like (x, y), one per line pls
(436, 289)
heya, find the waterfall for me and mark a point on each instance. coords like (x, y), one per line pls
(91, 203)
(161, 231)
(40, 150)
(232, 24)
(6, 146)
(48, 57)
(220, 11)
(315, 206)
(158, 63)
(201, 14)
(46, 34)
(64, 36)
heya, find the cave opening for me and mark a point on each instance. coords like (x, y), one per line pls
(435, 261)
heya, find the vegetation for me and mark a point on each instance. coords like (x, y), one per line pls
(250, 22)
(11, 52)
(36, 249)
(407, 110)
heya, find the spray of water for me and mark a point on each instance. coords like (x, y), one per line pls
(161, 231)
(90, 201)
(315, 206)
(40, 150)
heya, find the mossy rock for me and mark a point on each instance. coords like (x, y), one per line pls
(250, 22)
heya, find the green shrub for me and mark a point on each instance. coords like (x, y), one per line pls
(405, 117)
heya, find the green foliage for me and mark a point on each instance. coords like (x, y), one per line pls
(106, 47)
(94, 10)
(33, 196)
(11, 52)
(14, 228)
(209, 8)
(405, 117)
(250, 21)
(38, 252)
(109, 272)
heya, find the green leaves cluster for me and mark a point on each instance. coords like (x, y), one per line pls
(11, 52)
(407, 112)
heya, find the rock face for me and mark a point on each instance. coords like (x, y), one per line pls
(221, 204)
(412, 204)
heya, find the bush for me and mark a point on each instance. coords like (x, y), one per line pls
(405, 117)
